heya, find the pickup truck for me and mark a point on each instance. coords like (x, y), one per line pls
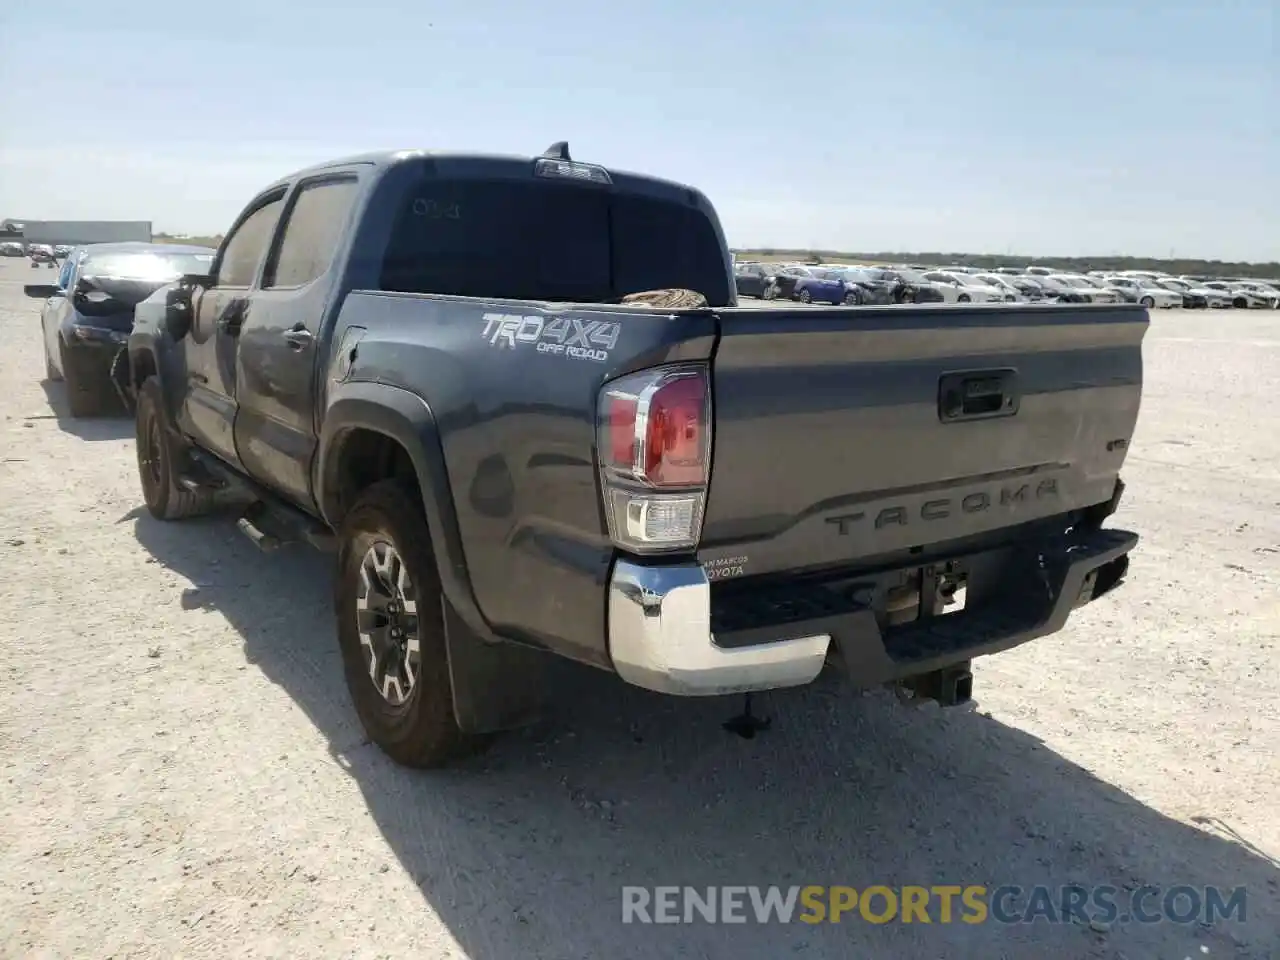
(517, 398)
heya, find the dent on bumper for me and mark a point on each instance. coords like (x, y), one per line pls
(660, 638)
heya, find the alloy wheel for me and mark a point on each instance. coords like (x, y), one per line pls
(387, 614)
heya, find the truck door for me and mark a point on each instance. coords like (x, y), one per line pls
(220, 312)
(278, 361)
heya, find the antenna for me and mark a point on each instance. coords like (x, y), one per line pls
(558, 151)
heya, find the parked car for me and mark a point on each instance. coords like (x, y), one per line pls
(1012, 293)
(908, 286)
(1192, 298)
(61, 250)
(752, 279)
(1062, 289)
(41, 254)
(11, 248)
(826, 286)
(1146, 292)
(964, 288)
(1242, 297)
(1032, 288)
(709, 528)
(865, 286)
(1086, 288)
(1213, 298)
(785, 278)
(88, 313)
(1270, 294)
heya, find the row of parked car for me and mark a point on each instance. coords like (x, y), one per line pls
(40, 253)
(852, 284)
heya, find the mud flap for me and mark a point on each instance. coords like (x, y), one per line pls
(496, 686)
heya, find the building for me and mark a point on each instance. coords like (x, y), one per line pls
(74, 232)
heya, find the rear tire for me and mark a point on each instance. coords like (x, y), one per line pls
(1147, 302)
(852, 299)
(963, 298)
(159, 452)
(84, 397)
(390, 612)
(1240, 303)
(805, 296)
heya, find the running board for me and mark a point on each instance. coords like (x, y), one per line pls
(271, 525)
(264, 541)
(268, 521)
(198, 479)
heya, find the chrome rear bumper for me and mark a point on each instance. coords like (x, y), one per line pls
(660, 638)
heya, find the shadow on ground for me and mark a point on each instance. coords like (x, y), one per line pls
(523, 851)
(114, 424)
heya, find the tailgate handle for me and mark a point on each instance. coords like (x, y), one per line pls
(978, 395)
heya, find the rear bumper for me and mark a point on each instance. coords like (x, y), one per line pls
(661, 637)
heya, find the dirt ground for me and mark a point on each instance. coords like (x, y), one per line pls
(185, 776)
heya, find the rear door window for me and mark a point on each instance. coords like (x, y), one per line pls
(311, 232)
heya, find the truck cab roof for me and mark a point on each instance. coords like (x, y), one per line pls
(489, 164)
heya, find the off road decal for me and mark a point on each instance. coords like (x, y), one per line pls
(563, 336)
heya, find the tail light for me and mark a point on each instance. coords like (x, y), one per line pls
(654, 444)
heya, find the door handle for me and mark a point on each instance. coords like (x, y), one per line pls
(298, 337)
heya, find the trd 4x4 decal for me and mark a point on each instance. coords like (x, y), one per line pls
(565, 336)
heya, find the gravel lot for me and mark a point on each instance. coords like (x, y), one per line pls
(187, 777)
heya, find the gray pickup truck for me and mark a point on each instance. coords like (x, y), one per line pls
(518, 400)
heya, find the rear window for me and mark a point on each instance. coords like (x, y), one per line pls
(146, 266)
(548, 241)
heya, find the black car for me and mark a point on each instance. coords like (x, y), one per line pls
(909, 286)
(88, 311)
(783, 281)
(753, 279)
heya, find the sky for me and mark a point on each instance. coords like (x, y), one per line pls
(1134, 127)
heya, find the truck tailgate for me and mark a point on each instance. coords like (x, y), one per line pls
(844, 434)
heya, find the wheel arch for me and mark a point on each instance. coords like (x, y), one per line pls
(375, 432)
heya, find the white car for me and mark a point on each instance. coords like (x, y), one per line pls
(1242, 297)
(1270, 293)
(964, 288)
(1087, 288)
(1146, 292)
(1213, 299)
(1012, 293)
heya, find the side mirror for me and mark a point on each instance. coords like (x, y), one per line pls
(42, 291)
(177, 313)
